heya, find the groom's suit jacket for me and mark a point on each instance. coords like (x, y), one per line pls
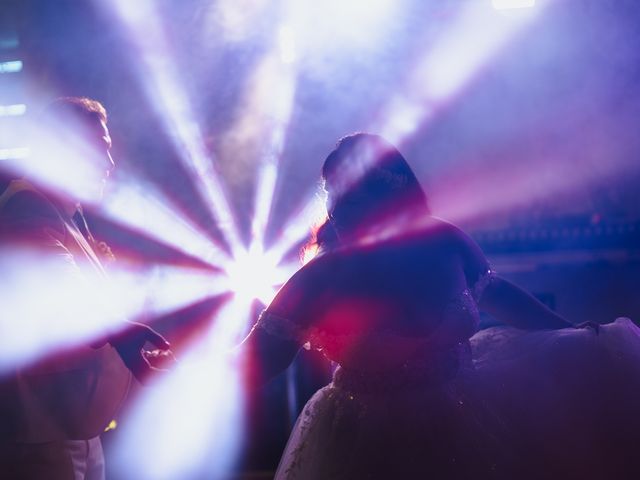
(74, 393)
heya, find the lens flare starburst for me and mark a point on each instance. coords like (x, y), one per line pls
(254, 274)
(199, 404)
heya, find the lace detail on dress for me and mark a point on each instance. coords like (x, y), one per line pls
(415, 373)
(482, 283)
(281, 327)
(310, 338)
(464, 303)
(318, 339)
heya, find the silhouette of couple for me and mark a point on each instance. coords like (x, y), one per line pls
(393, 297)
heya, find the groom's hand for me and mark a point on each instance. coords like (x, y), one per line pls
(130, 342)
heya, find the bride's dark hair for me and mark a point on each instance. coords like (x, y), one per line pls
(364, 165)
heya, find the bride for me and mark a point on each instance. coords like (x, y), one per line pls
(394, 298)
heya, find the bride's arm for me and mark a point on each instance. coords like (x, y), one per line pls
(512, 305)
(264, 355)
(280, 331)
(499, 297)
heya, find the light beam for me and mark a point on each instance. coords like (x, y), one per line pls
(157, 75)
(474, 38)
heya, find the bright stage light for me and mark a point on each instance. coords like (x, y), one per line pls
(13, 66)
(17, 153)
(14, 110)
(255, 274)
(510, 4)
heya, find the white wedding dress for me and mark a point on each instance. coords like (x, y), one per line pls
(505, 403)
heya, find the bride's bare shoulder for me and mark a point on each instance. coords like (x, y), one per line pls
(441, 230)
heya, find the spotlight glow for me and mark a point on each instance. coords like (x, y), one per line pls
(255, 274)
(510, 4)
(13, 66)
(14, 110)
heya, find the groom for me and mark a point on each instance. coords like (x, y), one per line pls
(54, 409)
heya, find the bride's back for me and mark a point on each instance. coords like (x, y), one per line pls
(380, 302)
